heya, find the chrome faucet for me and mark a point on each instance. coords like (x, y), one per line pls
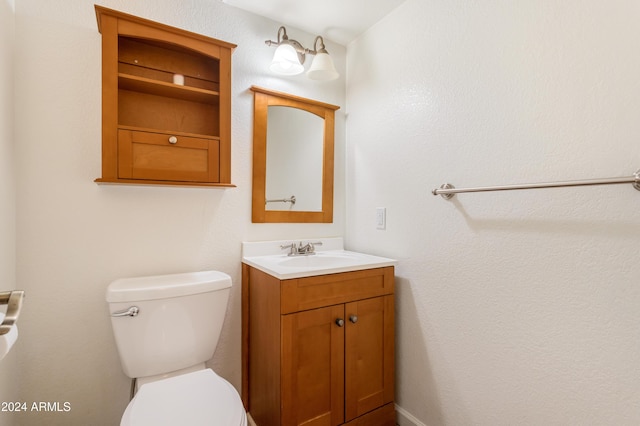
(301, 250)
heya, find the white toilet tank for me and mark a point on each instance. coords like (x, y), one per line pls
(166, 323)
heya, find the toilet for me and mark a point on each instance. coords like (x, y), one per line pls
(166, 327)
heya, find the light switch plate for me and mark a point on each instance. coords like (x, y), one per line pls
(381, 218)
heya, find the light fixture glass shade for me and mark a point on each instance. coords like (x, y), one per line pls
(285, 61)
(322, 68)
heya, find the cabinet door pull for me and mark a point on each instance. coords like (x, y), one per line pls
(173, 139)
(353, 318)
(340, 322)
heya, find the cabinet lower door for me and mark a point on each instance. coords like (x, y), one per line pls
(313, 367)
(369, 375)
(159, 156)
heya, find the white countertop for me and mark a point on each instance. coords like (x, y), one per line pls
(330, 258)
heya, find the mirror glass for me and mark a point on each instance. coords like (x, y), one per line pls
(294, 159)
(293, 140)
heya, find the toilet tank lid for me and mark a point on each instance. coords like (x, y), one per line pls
(166, 286)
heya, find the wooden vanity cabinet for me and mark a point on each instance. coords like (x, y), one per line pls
(319, 350)
(155, 131)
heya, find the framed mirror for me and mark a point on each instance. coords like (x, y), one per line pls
(293, 144)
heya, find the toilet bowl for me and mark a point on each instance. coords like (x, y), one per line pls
(166, 327)
(201, 398)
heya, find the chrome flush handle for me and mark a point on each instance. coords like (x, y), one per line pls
(129, 312)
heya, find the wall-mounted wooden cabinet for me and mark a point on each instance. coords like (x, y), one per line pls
(166, 104)
(319, 350)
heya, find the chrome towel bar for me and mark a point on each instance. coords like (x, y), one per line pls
(448, 191)
(13, 300)
(291, 200)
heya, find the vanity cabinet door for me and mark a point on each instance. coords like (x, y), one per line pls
(313, 367)
(319, 351)
(369, 355)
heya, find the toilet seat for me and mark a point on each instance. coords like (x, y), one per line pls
(201, 398)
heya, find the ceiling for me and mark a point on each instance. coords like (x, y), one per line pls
(340, 21)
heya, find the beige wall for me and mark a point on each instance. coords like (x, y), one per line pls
(514, 308)
(75, 237)
(9, 383)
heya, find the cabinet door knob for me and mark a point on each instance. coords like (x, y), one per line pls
(340, 322)
(173, 139)
(353, 318)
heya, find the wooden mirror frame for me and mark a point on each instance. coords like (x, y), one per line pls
(262, 99)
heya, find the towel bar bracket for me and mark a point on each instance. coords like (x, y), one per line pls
(13, 300)
(446, 195)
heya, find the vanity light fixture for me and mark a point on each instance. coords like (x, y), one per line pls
(290, 56)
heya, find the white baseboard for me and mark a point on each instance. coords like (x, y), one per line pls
(250, 420)
(404, 418)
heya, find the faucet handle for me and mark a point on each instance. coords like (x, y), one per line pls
(312, 246)
(291, 246)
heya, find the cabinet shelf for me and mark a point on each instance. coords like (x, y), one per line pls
(170, 90)
(168, 132)
(156, 182)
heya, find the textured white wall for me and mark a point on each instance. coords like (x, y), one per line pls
(513, 308)
(9, 383)
(75, 237)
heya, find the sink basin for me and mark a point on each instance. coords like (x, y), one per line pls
(283, 266)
